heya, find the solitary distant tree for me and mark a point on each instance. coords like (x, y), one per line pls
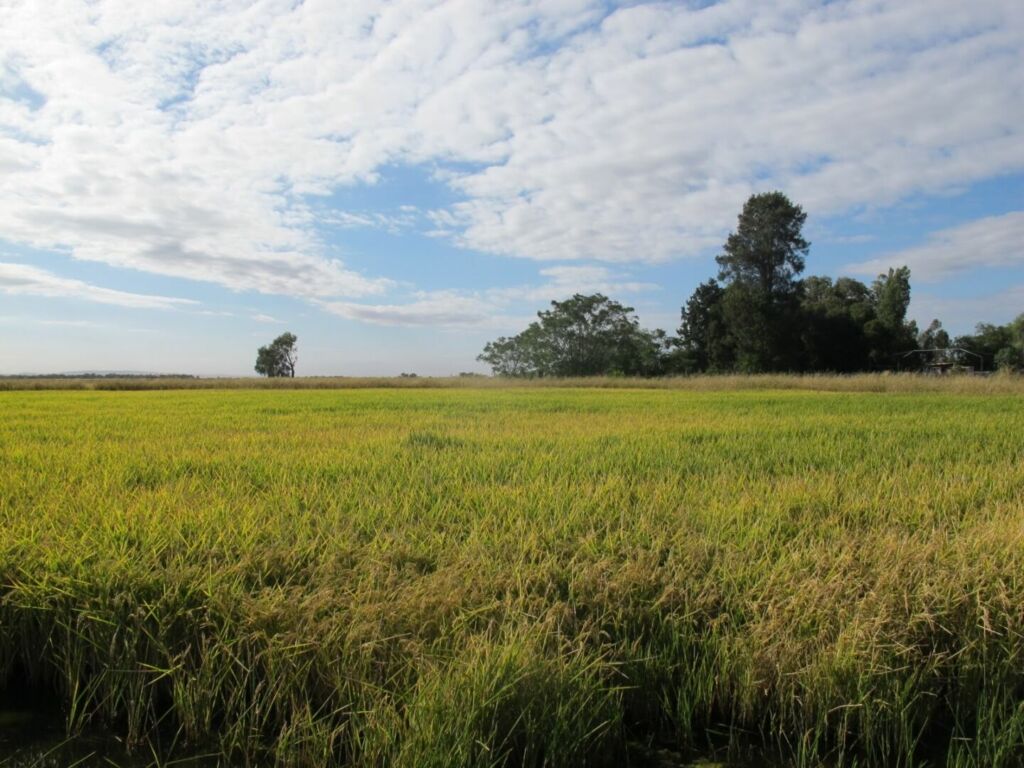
(279, 357)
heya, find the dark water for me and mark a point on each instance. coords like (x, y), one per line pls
(33, 739)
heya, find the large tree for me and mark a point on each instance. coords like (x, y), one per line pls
(759, 265)
(766, 252)
(581, 336)
(279, 357)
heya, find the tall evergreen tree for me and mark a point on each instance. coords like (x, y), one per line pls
(766, 252)
(759, 264)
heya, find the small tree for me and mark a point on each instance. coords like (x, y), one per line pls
(890, 333)
(279, 357)
(935, 339)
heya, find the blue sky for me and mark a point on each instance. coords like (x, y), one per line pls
(399, 182)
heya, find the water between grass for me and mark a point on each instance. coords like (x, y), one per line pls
(36, 739)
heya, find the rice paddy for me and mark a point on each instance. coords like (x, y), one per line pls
(506, 576)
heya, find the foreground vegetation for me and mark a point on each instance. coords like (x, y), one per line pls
(501, 576)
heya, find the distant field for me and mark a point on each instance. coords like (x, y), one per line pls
(1001, 383)
(479, 575)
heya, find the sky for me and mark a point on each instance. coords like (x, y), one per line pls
(399, 182)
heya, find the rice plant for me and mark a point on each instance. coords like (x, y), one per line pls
(526, 575)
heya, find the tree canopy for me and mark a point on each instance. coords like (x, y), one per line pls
(581, 336)
(704, 343)
(759, 315)
(279, 357)
(759, 266)
(1000, 346)
(766, 252)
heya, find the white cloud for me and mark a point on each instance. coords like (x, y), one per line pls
(441, 308)
(261, 318)
(184, 138)
(21, 321)
(563, 281)
(404, 220)
(993, 241)
(960, 314)
(491, 308)
(22, 279)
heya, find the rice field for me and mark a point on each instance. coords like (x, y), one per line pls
(504, 576)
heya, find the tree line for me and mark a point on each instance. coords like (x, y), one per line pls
(757, 316)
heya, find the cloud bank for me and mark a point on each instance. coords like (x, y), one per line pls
(192, 139)
(26, 280)
(490, 308)
(993, 241)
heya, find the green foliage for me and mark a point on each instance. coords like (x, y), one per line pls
(1000, 346)
(1017, 332)
(279, 357)
(933, 337)
(890, 334)
(765, 319)
(764, 331)
(524, 575)
(834, 319)
(1009, 359)
(766, 252)
(704, 342)
(581, 336)
(761, 318)
(892, 297)
(759, 265)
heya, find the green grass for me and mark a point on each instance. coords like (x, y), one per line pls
(522, 576)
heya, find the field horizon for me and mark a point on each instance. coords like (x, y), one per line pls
(1003, 382)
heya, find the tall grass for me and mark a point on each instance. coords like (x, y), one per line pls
(522, 576)
(1001, 383)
